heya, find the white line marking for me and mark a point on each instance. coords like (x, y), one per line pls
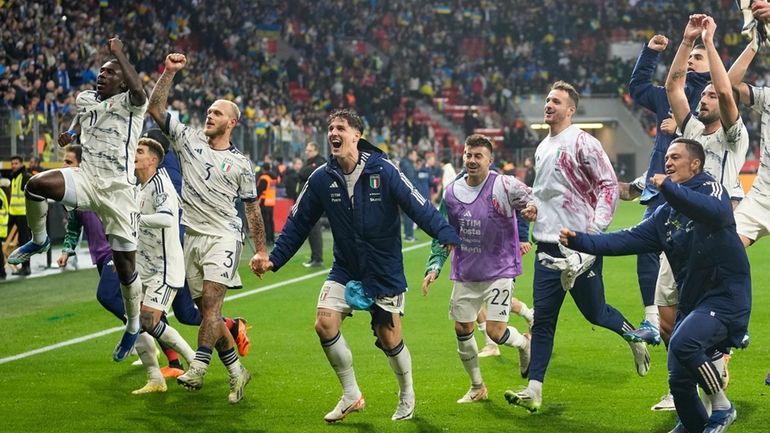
(121, 328)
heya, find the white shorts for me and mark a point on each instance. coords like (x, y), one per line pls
(666, 292)
(211, 258)
(332, 297)
(117, 207)
(158, 295)
(468, 298)
(752, 216)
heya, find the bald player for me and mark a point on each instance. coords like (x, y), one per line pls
(215, 176)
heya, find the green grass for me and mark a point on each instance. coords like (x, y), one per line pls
(591, 384)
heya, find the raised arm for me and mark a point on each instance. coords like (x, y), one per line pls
(134, 83)
(677, 74)
(738, 71)
(728, 109)
(640, 86)
(159, 96)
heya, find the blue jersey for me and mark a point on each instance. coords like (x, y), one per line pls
(366, 231)
(696, 230)
(654, 98)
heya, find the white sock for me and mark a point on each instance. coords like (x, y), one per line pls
(171, 337)
(719, 401)
(469, 356)
(706, 400)
(401, 364)
(652, 315)
(527, 313)
(37, 211)
(132, 296)
(536, 385)
(230, 359)
(514, 339)
(148, 353)
(341, 359)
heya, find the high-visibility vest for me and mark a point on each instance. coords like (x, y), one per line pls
(17, 207)
(3, 215)
(268, 195)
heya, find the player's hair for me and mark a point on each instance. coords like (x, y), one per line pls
(155, 147)
(699, 46)
(354, 120)
(17, 158)
(694, 148)
(569, 88)
(476, 140)
(75, 149)
(234, 107)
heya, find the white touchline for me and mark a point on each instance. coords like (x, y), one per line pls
(121, 328)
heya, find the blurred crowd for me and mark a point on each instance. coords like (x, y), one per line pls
(368, 54)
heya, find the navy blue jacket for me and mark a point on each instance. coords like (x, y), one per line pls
(367, 230)
(654, 98)
(696, 230)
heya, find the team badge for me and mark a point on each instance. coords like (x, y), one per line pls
(374, 181)
(226, 166)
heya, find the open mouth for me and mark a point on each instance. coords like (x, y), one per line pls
(336, 142)
(669, 172)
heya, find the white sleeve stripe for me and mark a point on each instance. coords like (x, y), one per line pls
(299, 198)
(716, 189)
(416, 194)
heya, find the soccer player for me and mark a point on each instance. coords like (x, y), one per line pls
(654, 99)
(696, 230)
(215, 176)
(575, 186)
(488, 260)
(752, 216)
(361, 192)
(160, 261)
(108, 124)
(718, 128)
(108, 288)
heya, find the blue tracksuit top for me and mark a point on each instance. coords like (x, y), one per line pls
(696, 230)
(654, 98)
(367, 230)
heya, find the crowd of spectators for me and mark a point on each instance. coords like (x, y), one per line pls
(367, 54)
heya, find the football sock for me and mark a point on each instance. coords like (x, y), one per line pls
(230, 359)
(171, 338)
(469, 356)
(132, 294)
(202, 358)
(400, 361)
(145, 348)
(536, 385)
(512, 337)
(526, 312)
(37, 210)
(341, 359)
(651, 315)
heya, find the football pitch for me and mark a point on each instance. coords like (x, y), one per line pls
(72, 384)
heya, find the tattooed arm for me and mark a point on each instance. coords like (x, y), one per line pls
(257, 230)
(678, 72)
(159, 96)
